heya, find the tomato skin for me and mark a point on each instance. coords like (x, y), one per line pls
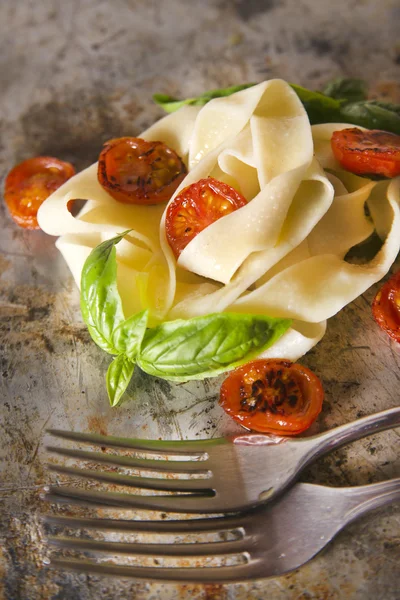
(272, 396)
(386, 307)
(369, 153)
(196, 207)
(134, 171)
(29, 183)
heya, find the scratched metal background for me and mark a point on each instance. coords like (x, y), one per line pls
(73, 74)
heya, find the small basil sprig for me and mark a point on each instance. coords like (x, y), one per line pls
(320, 108)
(343, 101)
(171, 104)
(176, 350)
(101, 304)
(103, 314)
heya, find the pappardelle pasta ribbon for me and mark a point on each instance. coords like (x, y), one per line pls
(282, 255)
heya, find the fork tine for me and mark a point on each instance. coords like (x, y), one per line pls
(208, 525)
(200, 575)
(151, 483)
(163, 466)
(185, 447)
(237, 546)
(171, 503)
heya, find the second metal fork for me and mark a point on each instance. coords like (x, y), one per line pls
(270, 540)
(221, 475)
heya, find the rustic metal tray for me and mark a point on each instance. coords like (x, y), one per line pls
(74, 74)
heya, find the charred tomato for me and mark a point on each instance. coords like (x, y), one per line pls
(134, 171)
(28, 185)
(386, 307)
(272, 396)
(196, 207)
(371, 153)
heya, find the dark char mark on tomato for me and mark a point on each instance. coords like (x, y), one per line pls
(260, 400)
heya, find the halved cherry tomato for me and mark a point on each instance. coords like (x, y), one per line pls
(370, 152)
(386, 307)
(196, 207)
(272, 396)
(134, 171)
(29, 184)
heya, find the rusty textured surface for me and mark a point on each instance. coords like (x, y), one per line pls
(73, 74)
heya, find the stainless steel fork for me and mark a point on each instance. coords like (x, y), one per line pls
(222, 475)
(272, 540)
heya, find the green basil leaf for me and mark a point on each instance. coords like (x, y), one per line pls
(343, 100)
(371, 115)
(351, 90)
(206, 346)
(128, 336)
(391, 106)
(118, 377)
(101, 304)
(222, 92)
(171, 104)
(320, 108)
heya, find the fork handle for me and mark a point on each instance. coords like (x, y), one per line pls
(339, 436)
(361, 499)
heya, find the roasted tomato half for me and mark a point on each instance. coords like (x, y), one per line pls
(272, 396)
(134, 171)
(196, 207)
(29, 184)
(372, 153)
(386, 307)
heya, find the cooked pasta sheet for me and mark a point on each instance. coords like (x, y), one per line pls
(283, 254)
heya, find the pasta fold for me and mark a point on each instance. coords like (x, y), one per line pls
(283, 254)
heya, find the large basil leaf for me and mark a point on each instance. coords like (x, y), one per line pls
(101, 304)
(171, 104)
(118, 377)
(206, 346)
(351, 90)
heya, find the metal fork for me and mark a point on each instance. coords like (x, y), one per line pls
(274, 539)
(222, 475)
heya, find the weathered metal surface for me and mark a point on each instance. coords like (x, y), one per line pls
(73, 74)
